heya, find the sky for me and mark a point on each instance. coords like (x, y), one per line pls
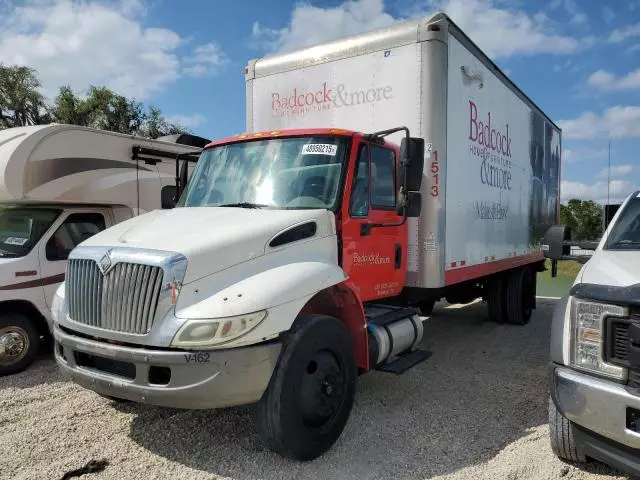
(579, 60)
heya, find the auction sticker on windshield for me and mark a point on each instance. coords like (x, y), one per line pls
(16, 241)
(319, 149)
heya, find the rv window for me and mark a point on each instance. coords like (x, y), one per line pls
(21, 228)
(76, 228)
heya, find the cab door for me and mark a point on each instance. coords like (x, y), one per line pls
(373, 256)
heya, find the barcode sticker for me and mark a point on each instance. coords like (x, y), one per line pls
(319, 149)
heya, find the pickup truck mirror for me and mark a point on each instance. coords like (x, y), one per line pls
(555, 247)
(168, 196)
(412, 154)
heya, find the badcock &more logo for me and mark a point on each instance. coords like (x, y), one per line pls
(370, 259)
(492, 145)
(300, 101)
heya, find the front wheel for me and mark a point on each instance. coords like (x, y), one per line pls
(19, 343)
(309, 398)
(563, 444)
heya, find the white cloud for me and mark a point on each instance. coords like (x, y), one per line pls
(206, 60)
(571, 155)
(608, 14)
(621, 34)
(615, 122)
(616, 171)
(91, 42)
(607, 81)
(310, 25)
(189, 121)
(618, 190)
(498, 30)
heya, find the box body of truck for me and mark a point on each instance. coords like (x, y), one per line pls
(492, 173)
(59, 185)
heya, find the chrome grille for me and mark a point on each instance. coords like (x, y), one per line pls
(123, 300)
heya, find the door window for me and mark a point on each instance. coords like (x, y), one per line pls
(359, 206)
(76, 228)
(383, 179)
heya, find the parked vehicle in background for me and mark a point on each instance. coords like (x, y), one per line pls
(594, 409)
(59, 185)
(383, 172)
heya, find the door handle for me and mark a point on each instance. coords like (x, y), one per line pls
(365, 229)
(398, 256)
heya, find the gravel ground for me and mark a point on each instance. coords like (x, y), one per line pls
(477, 409)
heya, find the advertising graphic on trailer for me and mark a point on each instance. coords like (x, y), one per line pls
(502, 166)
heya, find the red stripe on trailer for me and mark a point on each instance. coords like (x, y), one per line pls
(483, 269)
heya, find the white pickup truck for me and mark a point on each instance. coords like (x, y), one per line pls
(594, 409)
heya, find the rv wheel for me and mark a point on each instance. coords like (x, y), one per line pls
(19, 343)
(309, 398)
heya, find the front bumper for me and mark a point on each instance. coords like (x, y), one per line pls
(178, 379)
(599, 409)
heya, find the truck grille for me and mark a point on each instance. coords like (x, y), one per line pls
(125, 299)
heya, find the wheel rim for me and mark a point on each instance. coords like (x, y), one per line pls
(14, 344)
(322, 390)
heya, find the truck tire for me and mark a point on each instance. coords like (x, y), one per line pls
(496, 304)
(563, 444)
(309, 398)
(520, 296)
(19, 343)
(426, 307)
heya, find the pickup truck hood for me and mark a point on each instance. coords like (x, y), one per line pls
(619, 268)
(211, 238)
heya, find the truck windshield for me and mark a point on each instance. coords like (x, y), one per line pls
(625, 234)
(22, 227)
(287, 173)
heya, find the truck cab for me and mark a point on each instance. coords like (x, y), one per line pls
(594, 409)
(261, 278)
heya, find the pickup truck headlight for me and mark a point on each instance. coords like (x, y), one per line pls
(203, 333)
(57, 304)
(587, 325)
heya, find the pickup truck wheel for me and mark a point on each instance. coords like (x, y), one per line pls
(520, 296)
(309, 398)
(19, 343)
(561, 436)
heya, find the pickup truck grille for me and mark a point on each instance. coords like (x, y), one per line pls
(125, 299)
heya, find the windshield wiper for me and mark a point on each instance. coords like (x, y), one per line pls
(245, 205)
(626, 243)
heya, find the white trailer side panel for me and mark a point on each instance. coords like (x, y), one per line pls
(502, 172)
(368, 92)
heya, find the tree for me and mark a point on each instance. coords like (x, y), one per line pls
(104, 109)
(584, 217)
(20, 101)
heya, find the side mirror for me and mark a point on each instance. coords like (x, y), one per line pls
(413, 203)
(168, 196)
(554, 242)
(412, 152)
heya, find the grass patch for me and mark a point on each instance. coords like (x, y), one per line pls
(566, 268)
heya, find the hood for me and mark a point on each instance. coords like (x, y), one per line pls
(211, 238)
(619, 268)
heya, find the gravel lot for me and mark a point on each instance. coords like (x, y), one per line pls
(477, 409)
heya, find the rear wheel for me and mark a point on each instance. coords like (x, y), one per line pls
(520, 296)
(426, 307)
(561, 437)
(309, 398)
(19, 343)
(495, 297)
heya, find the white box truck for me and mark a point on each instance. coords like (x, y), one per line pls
(382, 172)
(60, 184)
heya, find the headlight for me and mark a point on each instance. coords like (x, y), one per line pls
(57, 304)
(587, 325)
(210, 332)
